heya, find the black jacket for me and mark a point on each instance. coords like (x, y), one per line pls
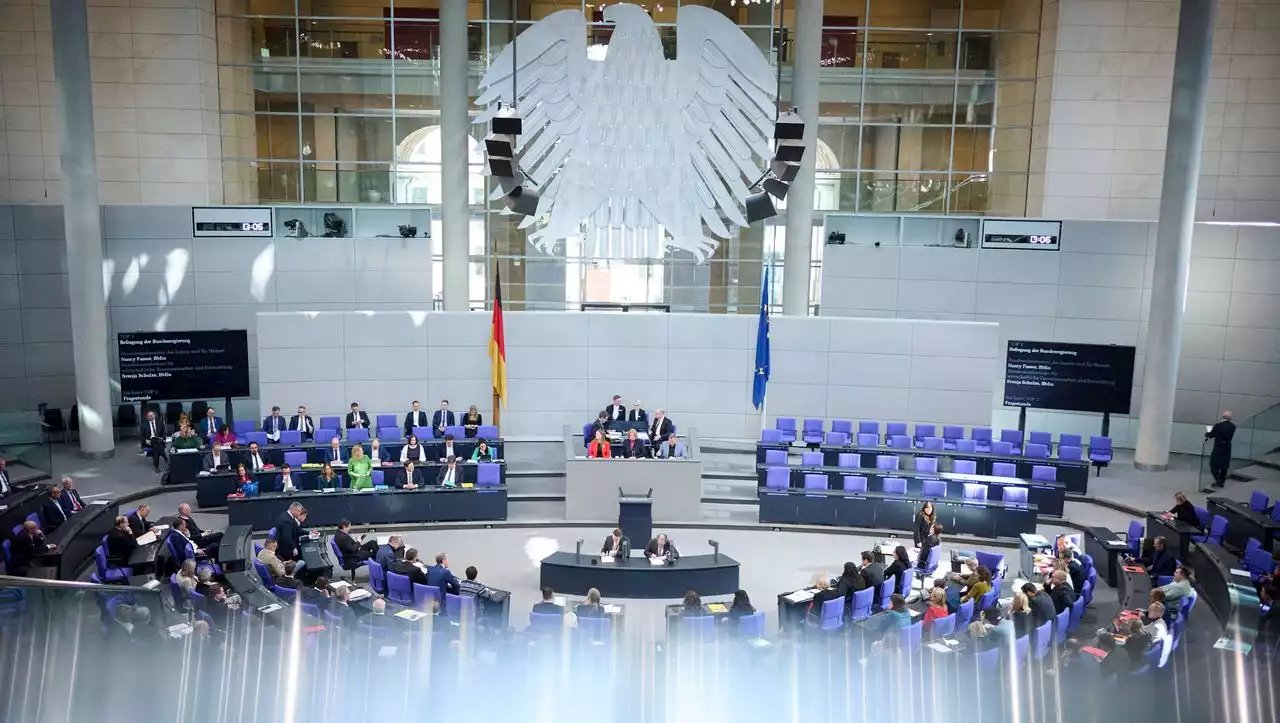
(548, 608)
(1022, 624)
(1160, 562)
(636, 449)
(896, 570)
(410, 570)
(1042, 608)
(120, 545)
(1076, 572)
(348, 546)
(288, 532)
(659, 430)
(1186, 512)
(22, 549)
(139, 525)
(653, 550)
(423, 420)
(68, 501)
(873, 574)
(637, 415)
(52, 514)
(1063, 597)
(608, 547)
(1221, 434)
(927, 543)
(847, 585)
(820, 598)
(616, 414)
(304, 425)
(922, 529)
(351, 420)
(144, 429)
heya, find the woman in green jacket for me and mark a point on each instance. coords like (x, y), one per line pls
(360, 469)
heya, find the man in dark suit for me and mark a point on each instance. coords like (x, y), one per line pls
(120, 543)
(152, 435)
(274, 425)
(930, 541)
(637, 415)
(390, 552)
(317, 593)
(353, 550)
(450, 475)
(410, 477)
(209, 425)
(872, 570)
(439, 575)
(71, 500)
(1159, 561)
(661, 546)
(548, 605)
(138, 522)
(1042, 609)
(415, 418)
(357, 419)
(289, 531)
(28, 543)
(632, 447)
(216, 459)
(600, 425)
(289, 578)
(206, 540)
(302, 423)
(51, 511)
(1063, 596)
(1220, 457)
(612, 544)
(410, 567)
(340, 607)
(441, 418)
(5, 485)
(1075, 569)
(659, 428)
(615, 411)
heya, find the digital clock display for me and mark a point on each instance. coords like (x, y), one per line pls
(232, 226)
(1021, 234)
(231, 221)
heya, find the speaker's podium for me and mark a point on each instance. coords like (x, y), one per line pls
(635, 517)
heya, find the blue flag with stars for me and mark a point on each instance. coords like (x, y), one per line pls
(761, 374)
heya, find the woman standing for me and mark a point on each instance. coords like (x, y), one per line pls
(924, 522)
(360, 469)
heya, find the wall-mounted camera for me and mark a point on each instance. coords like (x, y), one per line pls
(334, 226)
(962, 238)
(408, 231)
(296, 228)
(835, 238)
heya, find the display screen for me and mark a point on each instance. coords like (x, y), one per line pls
(1035, 235)
(229, 221)
(168, 365)
(1072, 377)
(231, 226)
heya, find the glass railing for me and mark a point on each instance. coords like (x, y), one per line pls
(22, 440)
(1257, 436)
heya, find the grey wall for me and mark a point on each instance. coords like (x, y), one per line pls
(1097, 289)
(563, 368)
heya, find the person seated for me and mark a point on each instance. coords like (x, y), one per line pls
(1020, 613)
(821, 596)
(483, 453)
(186, 440)
(303, 424)
(473, 587)
(120, 543)
(1002, 630)
(591, 607)
(741, 605)
(900, 566)
(218, 606)
(471, 422)
(898, 615)
(328, 479)
(186, 577)
(672, 448)
(360, 469)
(376, 454)
(1040, 604)
(70, 500)
(390, 552)
(632, 447)
(601, 424)
(937, 607)
(450, 475)
(1059, 589)
(289, 579)
(244, 479)
(139, 525)
(1061, 566)
(692, 605)
(980, 586)
(288, 483)
(1269, 624)
(210, 425)
(849, 582)
(414, 418)
(410, 478)
(1183, 511)
(335, 454)
(357, 419)
(599, 447)
(1175, 591)
(968, 573)
(317, 593)
(1159, 561)
(932, 539)
(1136, 644)
(439, 575)
(1155, 626)
(206, 541)
(274, 425)
(267, 556)
(204, 580)
(28, 544)
(548, 604)
(979, 640)
(225, 436)
(613, 544)
(449, 449)
(353, 549)
(51, 510)
(413, 451)
(410, 567)
(441, 419)
(340, 605)
(661, 546)
(1074, 569)
(216, 460)
(872, 570)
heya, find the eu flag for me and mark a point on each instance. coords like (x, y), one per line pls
(761, 372)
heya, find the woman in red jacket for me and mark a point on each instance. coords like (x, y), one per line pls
(937, 607)
(599, 446)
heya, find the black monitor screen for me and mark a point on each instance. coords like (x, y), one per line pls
(183, 365)
(1072, 377)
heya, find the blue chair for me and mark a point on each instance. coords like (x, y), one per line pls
(242, 427)
(945, 625)
(815, 482)
(1070, 453)
(848, 459)
(935, 488)
(777, 478)
(862, 604)
(1188, 602)
(909, 637)
(698, 627)
(770, 436)
(377, 578)
(311, 610)
(490, 432)
(964, 466)
(295, 460)
(812, 431)
(332, 620)
(964, 615)
(855, 483)
(775, 457)
(290, 436)
(424, 433)
(886, 592)
(993, 561)
(389, 434)
(600, 628)
(263, 574)
(787, 427)
(1015, 495)
(837, 439)
(325, 434)
(934, 444)
(1043, 638)
(343, 563)
(1087, 593)
(904, 583)
(887, 461)
(357, 435)
(951, 435)
(424, 595)
(399, 588)
(831, 617)
(930, 564)
(1258, 502)
(1004, 469)
(1013, 437)
(1036, 451)
(751, 626)
(251, 437)
(927, 464)
(982, 438)
(488, 474)
(842, 426)
(1151, 659)
(865, 427)
(1043, 473)
(1044, 438)
(105, 573)
(895, 429)
(974, 491)
(1134, 538)
(8, 558)
(866, 439)
(895, 485)
(1061, 626)
(811, 459)
(545, 622)
(1217, 530)
(1077, 612)
(385, 420)
(988, 661)
(924, 431)
(1021, 646)
(457, 430)
(900, 441)
(1069, 440)
(1002, 447)
(287, 594)
(459, 607)
(988, 600)
(1100, 451)
(966, 446)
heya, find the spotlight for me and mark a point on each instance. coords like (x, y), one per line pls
(759, 207)
(522, 201)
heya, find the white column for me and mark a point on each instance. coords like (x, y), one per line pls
(1173, 238)
(454, 119)
(806, 55)
(82, 217)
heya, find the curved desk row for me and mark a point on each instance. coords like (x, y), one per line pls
(1243, 523)
(372, 507)
(1228, 591)
(709, 575)
(185, 466)
(1048, 497)
(874, 510)
(1073, 474)
(212, 489)
(76, 539)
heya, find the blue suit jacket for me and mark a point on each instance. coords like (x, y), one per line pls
(281, 421)
(342, 455)
(441, 418)
(204, 427)
(442, 577)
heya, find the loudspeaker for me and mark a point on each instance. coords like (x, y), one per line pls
(784, 170)
(789, 151)
(776, 188)
(507, 122)
(498, 144)
(501, 167)
(759, 207)
(522, 201)
(789, 127)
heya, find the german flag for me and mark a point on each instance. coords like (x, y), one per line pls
(498, 345)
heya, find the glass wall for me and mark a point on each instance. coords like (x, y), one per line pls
(926, 108)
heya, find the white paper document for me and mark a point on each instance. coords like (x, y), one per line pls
(268, 609)
(146, 538)
(151, 584)
(606, 559)
(612, 609)
(800, 596)
(657, 561)
(359, 594)
(939, 647)
(412, 616)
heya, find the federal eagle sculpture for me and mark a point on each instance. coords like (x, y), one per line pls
(636, 152)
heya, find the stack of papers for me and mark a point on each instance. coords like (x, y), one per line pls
(151, 584)
(717, 608)
(657, 561)
(146, 538)
(179, 630)
(800, 596)
(100, 502)
(612, 609)
(412, 616)
(268, 609)
(339, 584)
(359, 594)
(606, 559)
(939, 647)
